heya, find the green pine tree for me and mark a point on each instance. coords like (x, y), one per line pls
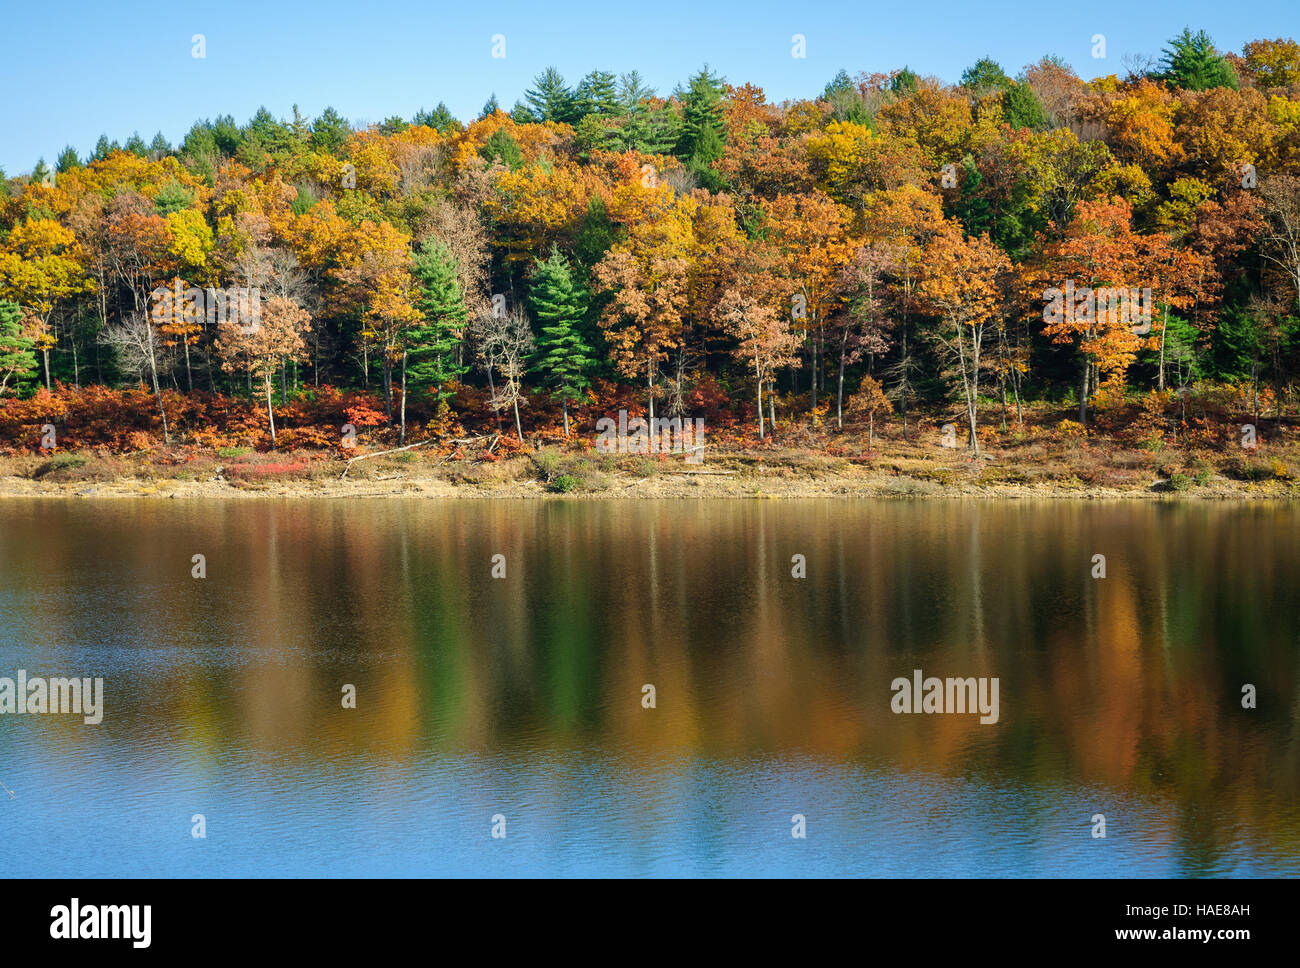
(1021, 108)
(560, 305)
(1191, 62)
(597, 94)
(550, 100)
(432, 358)
(67, 160)
(17, 356)
(699, 143)
(440, 119)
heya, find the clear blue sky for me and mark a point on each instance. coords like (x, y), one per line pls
(72, 71)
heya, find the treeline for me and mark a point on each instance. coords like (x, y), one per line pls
(888, 245)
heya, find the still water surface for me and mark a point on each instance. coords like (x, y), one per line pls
(522, 696)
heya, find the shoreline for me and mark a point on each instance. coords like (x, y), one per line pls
(667, 485)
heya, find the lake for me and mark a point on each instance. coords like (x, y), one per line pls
(518, 705)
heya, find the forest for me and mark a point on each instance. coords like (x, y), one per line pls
(885, 260)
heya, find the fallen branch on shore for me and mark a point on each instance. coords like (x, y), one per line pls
(495, 438)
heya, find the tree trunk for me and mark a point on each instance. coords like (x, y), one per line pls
(402, 435)
(1164, 328)
(1083, 392)
(270, 414)
(758, 381)
(839, 394)
(157, 390)
(387, 376)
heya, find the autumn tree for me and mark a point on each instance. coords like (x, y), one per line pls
(871, 400)
(260, 347)
(1099, 255)
(763, 339)
(961, 286)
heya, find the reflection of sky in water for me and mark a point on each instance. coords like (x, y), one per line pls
(478, 698)
(574, 814)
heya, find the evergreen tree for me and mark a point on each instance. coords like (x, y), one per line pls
(227, 135)
(904, 82)
(985, 77)
(67, 160)
(160, 147)
(549, 99)
(490, 107)
(440, 118)
(172, 197)
(560, 304)
(135, 144)
(699, 142)
(441, 303)
(104, 148)
(632, 90)
(17, 353)
(503, 147)
(1191, 62)
(273, 136)
(596, 94)
(1022, 109)
(846, 100)
(330, 132)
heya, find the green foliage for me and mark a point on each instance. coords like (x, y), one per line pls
(17, 356)
(67, 160)
(330, 132)
(1021, 108)
(985, 77)
(699, 143)
(501, 147)
(104, 148)
(1192, 63)
(597, 94)
(846, 101)
(564, 358)
(550, 100)
(904, 82)
(441, 304)
(59, 462)
(563, 484)
(172, 197)
(440, 119)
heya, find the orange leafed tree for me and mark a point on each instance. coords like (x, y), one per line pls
(260, 349)
(961, 287)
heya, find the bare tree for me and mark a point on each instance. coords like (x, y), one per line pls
(504, 344)
(1281, 239)
(138, 348)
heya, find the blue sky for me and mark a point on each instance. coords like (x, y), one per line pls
(75, 70)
